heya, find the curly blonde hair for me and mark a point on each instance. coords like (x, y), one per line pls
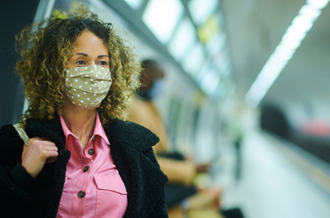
(45, 48)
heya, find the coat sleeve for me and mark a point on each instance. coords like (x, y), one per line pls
(160, 208)
(14, 181)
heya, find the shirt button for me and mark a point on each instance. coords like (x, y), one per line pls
(93, 138)
(81, 194)
(86, 168)
(90, 151)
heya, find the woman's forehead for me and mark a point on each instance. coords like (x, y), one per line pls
(89, 42)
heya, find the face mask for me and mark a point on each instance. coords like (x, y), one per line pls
(158, 87)
(87, 86)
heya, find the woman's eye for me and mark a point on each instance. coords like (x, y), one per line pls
(80, 62)
(103, 63)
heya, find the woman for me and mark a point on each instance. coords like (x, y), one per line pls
(82, 159)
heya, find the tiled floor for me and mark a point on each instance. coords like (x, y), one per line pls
(271, 185)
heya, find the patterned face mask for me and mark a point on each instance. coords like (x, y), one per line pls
(87, 86)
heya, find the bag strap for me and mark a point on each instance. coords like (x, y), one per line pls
(22, 133)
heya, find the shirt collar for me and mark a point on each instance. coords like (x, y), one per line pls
(98, 130)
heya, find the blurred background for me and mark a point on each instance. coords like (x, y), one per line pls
(255, 70)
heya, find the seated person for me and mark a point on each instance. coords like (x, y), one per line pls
(179, 170)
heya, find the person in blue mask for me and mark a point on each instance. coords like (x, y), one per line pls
(153, 80)
(181, 194)
(183, 198)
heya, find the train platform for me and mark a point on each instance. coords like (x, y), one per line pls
(278, 181)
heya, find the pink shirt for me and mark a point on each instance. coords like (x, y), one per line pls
(93, 186)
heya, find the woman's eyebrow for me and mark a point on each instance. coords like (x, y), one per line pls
(83, 54)
(100, 56)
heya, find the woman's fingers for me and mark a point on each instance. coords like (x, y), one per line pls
(51, 156)
(36, 153)
(47, 145)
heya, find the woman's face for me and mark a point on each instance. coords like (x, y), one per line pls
(90, 51)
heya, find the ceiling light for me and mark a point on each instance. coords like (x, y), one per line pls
(217, 44)
(210, 80)
(201, 10)
(184, 38)
(194, 60)
(285, 50)
(318, 4)
(135, 4)
(162, 16)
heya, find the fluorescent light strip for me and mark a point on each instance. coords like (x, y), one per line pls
(135, 4)
(201, 10)
(194, 60)
(162, 16)
(183, 40)
(285, 50)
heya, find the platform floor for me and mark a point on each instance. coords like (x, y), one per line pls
(271, 186)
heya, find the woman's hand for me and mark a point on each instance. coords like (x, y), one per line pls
(36, 153)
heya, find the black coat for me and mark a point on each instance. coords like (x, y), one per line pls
(131, 149)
